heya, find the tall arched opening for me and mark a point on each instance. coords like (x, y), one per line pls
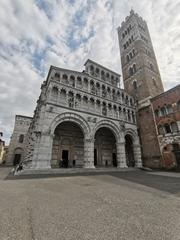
(68, 145)
(105, 154)
(130, 160)
(18, 155)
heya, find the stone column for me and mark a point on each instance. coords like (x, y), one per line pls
(121, 155)
(42, 158)
(137, 155)
(89, 153)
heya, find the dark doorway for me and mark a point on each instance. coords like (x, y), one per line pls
(65, 158)
(129, 151)
(114, 160)
(176, 150)
(95, 157)
(17, 159)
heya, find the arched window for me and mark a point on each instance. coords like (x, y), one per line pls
(130, 55)
(104, 109)
(131, 102)
(103, 91)
(127, 100)
(151, 67)
(102, 75)
(57, 75)
(85, 83)
(133, 52)
(63, 94)
(174, 127)
(72, 80)
(167, 128)
(54, 92)
(92, 102)
(109, 106)
(107, 75)
(92, 69)
(163, 111)
(134, 68)
(98, 104)
(115, 107)
(135, 84)
(78, 97)
(65, 77)
(71, 99)
(169, 109)
(85, 99)
(97, 71)
(78, 100)
(21, 138)
(127, 57)
(130, 71)
(79, 81)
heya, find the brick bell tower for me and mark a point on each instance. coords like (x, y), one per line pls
(142, 80)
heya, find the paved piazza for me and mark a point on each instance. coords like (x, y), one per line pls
(107, 206)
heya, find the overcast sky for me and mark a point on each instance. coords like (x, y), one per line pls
(35, 34)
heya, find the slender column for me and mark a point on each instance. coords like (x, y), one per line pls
(137, 155)
(121, 155)
(88, 153)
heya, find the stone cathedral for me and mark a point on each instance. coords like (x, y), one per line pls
(85, 120)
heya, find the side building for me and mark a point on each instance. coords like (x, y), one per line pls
(16, 150)
(166, 108)
(141, 80)
(84, 120)
(2, 149)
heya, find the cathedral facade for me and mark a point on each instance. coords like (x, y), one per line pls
(83, 119)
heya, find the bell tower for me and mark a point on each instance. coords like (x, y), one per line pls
(142, 80)
(139, 66)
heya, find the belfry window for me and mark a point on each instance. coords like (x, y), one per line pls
(21, 138)
(135, 85)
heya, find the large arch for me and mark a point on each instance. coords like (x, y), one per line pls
(107, 135)
(129, 149)
(68, 145)
(82, 125)
(73, 117)
(132, 148)
(112, 126)
(105, 153)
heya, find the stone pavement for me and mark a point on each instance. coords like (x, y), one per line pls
(125, 205)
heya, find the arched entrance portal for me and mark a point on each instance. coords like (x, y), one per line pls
(105, 148)
(18, 153)
(129, 151)
(68, 145)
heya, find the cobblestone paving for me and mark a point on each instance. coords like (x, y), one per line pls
(114, 206)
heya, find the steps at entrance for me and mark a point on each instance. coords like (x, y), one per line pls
(72, 171)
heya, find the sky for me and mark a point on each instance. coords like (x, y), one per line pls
(35, 34)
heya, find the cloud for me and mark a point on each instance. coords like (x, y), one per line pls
(38, 33)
